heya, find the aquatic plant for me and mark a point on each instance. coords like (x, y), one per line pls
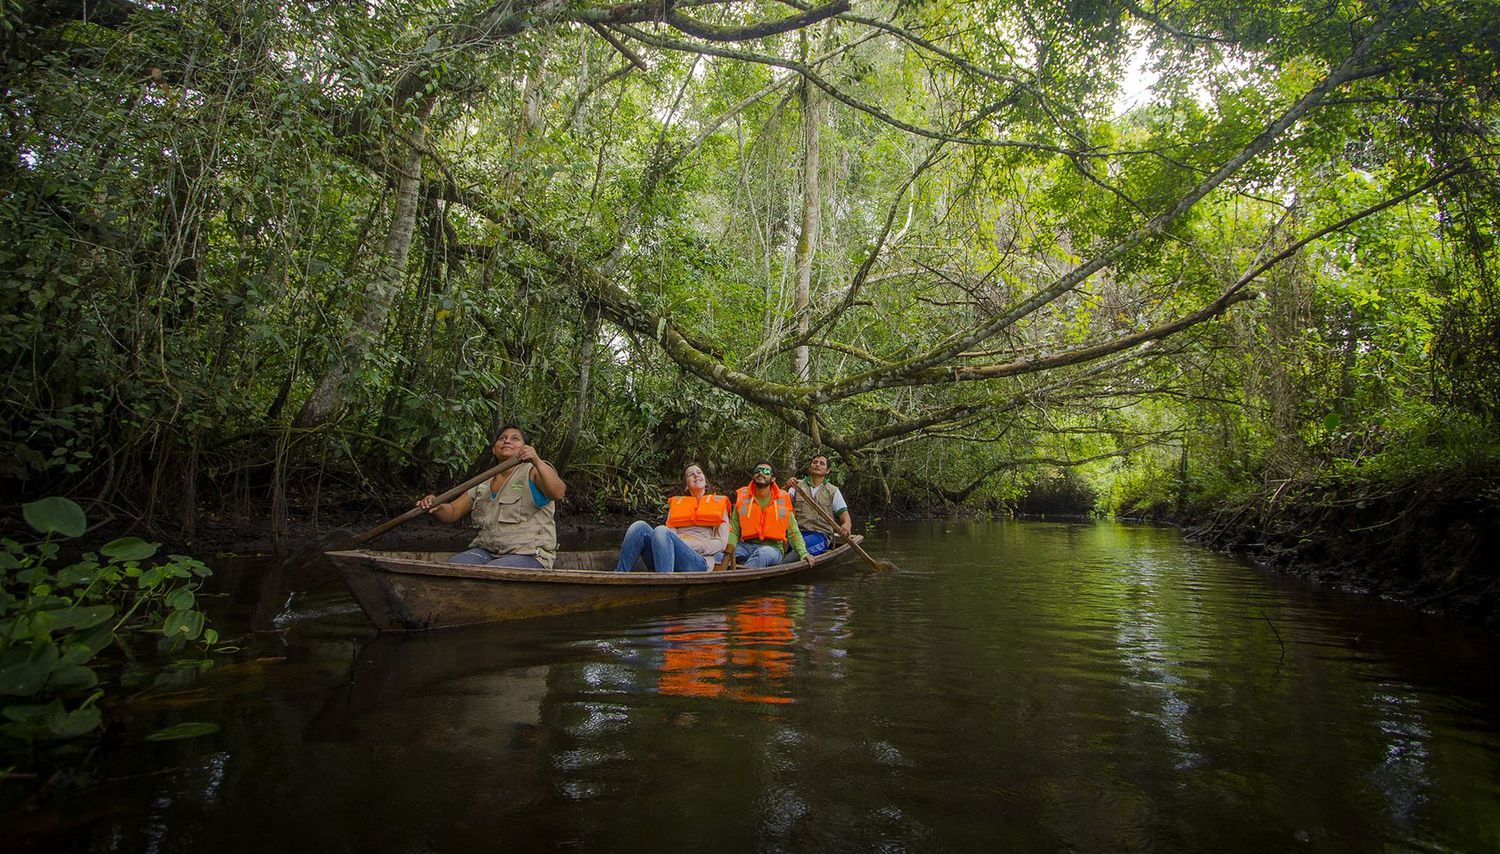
(55, 621)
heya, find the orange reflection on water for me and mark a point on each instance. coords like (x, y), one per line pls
(745, 656)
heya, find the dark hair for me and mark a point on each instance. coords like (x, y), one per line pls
(824, 456)
(516, 427)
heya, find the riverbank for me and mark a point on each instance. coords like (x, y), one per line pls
(1426, 542)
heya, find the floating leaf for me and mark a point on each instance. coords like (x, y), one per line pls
(55, 515)
(186, 729)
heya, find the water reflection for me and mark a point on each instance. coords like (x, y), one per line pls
(1021, 686)
(743, 653)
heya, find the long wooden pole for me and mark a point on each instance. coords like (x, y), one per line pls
(881, 565)
(441, 499)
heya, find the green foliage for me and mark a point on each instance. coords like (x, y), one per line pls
(55, 621)
(196, 199)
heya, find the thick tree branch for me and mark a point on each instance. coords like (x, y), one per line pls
(698, 29)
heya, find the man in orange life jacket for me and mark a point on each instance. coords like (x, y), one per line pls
(762, 522)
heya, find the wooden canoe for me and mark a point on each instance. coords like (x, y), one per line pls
(411, 591)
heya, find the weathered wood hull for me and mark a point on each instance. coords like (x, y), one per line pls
(411, 591)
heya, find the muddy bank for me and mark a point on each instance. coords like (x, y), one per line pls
(1427, 542)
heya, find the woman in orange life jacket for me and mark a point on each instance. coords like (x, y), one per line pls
(693, 538)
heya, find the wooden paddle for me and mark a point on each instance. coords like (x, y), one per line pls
(339, 540)
(440, 499)
(880, 565)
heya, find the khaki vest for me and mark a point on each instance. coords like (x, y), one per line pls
(808, 518)
(511, 523)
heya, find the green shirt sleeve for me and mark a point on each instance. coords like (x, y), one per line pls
(734, 531)
(794, 536)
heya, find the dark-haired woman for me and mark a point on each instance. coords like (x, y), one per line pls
(515, 511)
(693, 538)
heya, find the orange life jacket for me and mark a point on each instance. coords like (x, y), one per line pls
(763, 523)
(685, 511)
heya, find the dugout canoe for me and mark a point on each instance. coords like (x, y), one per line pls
(412, 591)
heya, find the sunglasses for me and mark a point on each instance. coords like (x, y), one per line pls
(763, 470)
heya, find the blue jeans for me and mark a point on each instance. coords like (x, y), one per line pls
(484, 557)
(752, 555)
(660, 549)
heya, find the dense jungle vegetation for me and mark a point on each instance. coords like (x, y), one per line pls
(1164, 254)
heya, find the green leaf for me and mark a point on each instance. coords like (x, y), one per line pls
(79, 574)
(27, 677)
(72, 677)
(85, 617)
(183, 624)
(197, 567)
(73, 724)
(1332, 420)
(82, 646)
(186, 729)
(128, 548)
(28, 713)
(55, 515)
(180, 599)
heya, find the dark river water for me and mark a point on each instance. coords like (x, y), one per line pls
(1019, 686)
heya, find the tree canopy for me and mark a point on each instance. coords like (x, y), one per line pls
(962, 245)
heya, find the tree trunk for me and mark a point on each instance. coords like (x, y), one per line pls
(588, 333)
(331, 389)
(807, 241)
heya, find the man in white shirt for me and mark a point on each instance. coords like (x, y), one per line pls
(816, 530)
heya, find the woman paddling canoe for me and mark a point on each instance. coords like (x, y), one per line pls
(515, 511)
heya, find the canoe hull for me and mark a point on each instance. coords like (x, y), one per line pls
(413, 591)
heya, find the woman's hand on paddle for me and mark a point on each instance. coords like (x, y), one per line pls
(428, 503)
